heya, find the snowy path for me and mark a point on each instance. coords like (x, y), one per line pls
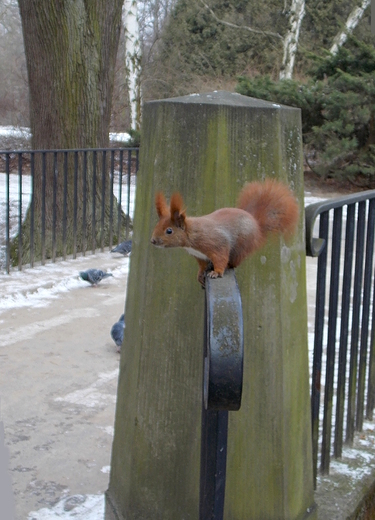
(58, 382)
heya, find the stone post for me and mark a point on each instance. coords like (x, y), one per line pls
(207, 146)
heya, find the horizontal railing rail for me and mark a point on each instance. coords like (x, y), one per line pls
(344, 335)
(56, 203)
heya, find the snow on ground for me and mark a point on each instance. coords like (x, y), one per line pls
(120, 137)
(79, 507)
(15, 131)
(25, 189)
(14, 206)
(24, 133)
(39, 286)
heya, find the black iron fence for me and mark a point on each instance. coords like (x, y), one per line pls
(56, 203)
(343, 371)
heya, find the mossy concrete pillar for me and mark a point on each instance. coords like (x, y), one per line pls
(207, 146)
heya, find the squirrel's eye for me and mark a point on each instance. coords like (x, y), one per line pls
(168, 231)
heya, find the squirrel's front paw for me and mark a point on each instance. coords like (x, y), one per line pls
(214, 274)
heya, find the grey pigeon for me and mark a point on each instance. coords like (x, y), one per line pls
(124, 248)
(117, 332)
(94, 276)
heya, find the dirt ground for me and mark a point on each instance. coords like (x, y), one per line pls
(332, 187)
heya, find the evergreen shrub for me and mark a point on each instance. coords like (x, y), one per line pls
(338, 109)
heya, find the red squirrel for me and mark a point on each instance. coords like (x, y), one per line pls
(228, 235)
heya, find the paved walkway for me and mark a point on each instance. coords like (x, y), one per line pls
(58, 379)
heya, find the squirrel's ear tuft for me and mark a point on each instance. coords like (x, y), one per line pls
(177, 211)
(161, 205)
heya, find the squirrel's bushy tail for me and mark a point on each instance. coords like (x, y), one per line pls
(272, 204)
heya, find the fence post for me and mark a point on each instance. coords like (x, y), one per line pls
(207, 146)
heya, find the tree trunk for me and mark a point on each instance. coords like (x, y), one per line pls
(70, 51)
(351, 23)
(133, 61)
(291, 39)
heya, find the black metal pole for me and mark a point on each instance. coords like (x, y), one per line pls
(222, 387)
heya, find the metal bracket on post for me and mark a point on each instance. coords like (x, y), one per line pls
(222, 387)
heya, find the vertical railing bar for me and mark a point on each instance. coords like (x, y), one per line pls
(331, 340)
(43, 207)
(65, 203)
(356, 305)
(345, 309)
(214, 439)
(104, 160)
(213, 457)
(318, 339)
(84, 201)
(7, 219)
(32, 208)
(128, 199)
(111, 180)
(20, 211)
(204, 432)
(119, 199)
(75, 204)
(54, 209)
(370, 404)
(94, 191)
(365, 315)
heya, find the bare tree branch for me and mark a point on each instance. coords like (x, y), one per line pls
(245, 27)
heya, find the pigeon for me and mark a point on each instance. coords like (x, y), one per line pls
(94, 276)
(124, 248)
(117, 332)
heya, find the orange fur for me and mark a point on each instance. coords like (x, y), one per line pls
(271, 203)
(161, 205)
(227, 236)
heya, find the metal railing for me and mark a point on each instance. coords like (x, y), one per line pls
(344, 321)
(222, 387)
(56, 203)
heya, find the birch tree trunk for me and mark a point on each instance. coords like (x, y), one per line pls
(70, 52)
(133, 60)
(351, 23)
(291, 39)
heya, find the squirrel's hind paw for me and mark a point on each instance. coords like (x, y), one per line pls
(201, 278)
